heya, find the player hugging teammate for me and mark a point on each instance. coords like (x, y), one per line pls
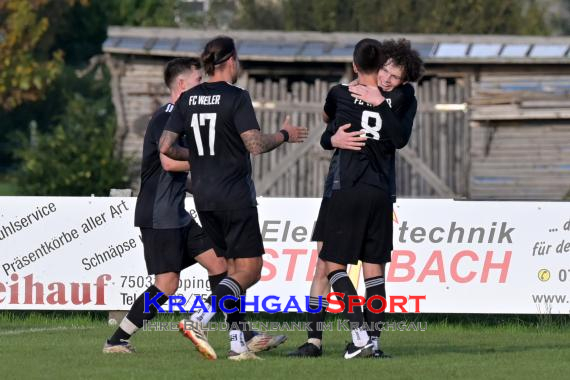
(367, 122)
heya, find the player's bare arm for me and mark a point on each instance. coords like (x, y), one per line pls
(168, 145)
(170, 165)
(257, 142)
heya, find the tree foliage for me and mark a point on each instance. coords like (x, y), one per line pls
(75, 157)
(37, 37)
(23, 75)
(139, 12)
(403, 16)
(42, 43)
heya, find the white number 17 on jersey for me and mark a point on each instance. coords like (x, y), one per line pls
(199, 120)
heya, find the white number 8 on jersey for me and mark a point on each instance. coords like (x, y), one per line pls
(371, 131)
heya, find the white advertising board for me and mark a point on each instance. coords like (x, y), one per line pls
(83, 253)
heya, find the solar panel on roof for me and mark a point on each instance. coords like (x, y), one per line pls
(314, 49)
(164, 44)
(451, 50)
(132, 43)
(543, 51)
(424, 49)
(485, 50)
(111, 42)
(192, 46)
(515, 50)
(268, 48)
(342, 50)
(256, 49)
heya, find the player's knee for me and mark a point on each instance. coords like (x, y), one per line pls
(167, 284)
(171, 288)
(256, 272)
(320, 271)
(257, 278)
(217, 266)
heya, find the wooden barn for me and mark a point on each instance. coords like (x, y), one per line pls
(493, 120)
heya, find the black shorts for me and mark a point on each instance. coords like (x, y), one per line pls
(172, 250)
(234, 233)
(318, 232)
(358, 226)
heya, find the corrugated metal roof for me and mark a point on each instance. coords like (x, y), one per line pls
(338, 47)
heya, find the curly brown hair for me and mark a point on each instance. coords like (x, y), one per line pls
(400, 53)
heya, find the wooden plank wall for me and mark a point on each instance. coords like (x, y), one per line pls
(142, 92)
(303, 102)
(520, 132)
(440, 139)
(517, 160)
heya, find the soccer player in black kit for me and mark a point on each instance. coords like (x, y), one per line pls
(352, 232)
(221, 132)
(172, 240)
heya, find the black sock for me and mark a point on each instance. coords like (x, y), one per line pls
(341, 283)
(228, 287)
(375, 286)
(244, 325)
(316, 320)
(134, 319)
(214, 281)
(235, 320)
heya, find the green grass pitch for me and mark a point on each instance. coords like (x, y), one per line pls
(68, 345)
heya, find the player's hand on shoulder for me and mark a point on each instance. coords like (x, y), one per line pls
(347, 140)
(367, 94)
(296, 133)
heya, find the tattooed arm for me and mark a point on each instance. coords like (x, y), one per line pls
(168, 145)
(256, 142)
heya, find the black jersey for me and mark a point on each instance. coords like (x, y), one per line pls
(375, 163)
(213, 115)
(160, 203)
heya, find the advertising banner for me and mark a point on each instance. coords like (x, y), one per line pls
(84, 253)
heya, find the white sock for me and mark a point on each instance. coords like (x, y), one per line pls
(375, 342)
(128, 326)
(202, 316)
(359, 337)
(315, 341)
(237, 342)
